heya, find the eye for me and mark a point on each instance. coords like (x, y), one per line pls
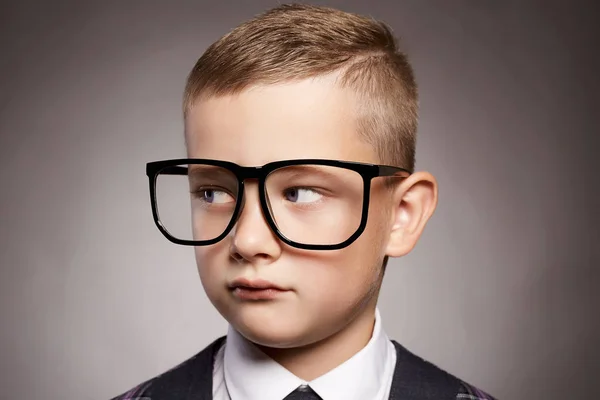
(302, 195)
(213, 196)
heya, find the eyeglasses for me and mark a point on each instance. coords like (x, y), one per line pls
(311, 204)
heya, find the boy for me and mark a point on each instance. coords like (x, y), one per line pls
(300, 130)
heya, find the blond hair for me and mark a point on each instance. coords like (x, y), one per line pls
(299, 41)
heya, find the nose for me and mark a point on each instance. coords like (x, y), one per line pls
(253, 241)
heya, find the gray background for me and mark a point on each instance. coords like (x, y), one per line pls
(502, 290)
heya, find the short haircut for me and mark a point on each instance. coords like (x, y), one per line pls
(298, 41)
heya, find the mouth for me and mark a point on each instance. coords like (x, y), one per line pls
(255, 289)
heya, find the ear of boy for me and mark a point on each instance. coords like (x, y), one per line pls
(414, 201)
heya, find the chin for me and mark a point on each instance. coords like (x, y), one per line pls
(268, 329)
(277, 339)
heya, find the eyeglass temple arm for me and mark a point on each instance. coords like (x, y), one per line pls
(385, 170)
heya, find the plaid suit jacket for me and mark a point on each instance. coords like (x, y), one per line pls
(414, 379)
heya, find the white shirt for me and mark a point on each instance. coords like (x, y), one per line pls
(243, 372)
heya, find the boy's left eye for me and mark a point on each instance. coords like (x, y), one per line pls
(302, 195)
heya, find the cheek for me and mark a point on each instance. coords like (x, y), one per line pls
(208, 261)
(343, 279)
(361, 263)
(349, 274)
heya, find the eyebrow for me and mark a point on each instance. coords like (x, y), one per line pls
(210, 172)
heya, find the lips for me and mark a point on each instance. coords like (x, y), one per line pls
(255, 284)
(255, 289)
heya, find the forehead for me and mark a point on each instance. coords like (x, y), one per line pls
(311, 118)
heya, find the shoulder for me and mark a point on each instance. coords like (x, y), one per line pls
(417, 378)
(191, 377)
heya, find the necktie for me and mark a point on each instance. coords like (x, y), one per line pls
(303, 393)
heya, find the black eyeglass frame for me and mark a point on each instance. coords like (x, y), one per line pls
(172, 167)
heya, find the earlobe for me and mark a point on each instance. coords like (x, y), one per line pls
(415, 200)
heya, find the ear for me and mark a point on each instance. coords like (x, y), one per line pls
(414, 200)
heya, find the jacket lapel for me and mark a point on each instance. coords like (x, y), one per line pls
(191, 380)
(202, 385)
(417, 379)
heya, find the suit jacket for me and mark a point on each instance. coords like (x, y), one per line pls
(414, 379)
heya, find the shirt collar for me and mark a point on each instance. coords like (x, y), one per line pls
(251, 375)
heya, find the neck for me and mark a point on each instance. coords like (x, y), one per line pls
(316, 359)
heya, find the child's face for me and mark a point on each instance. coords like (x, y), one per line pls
(326, 289)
